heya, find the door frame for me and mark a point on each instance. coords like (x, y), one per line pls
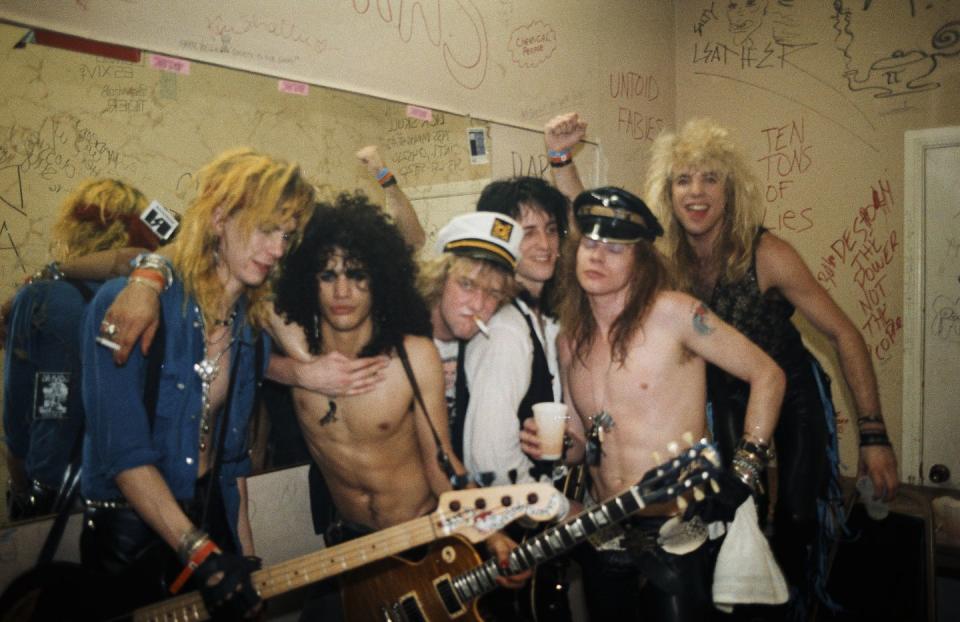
(916, 144)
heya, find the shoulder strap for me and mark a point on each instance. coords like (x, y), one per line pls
(457, 479)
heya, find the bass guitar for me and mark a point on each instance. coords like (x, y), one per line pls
(471, 514)
(447, 582)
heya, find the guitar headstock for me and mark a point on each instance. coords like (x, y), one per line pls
(692, 469)
(477, 513)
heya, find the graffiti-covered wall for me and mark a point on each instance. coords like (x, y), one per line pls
(819, 95)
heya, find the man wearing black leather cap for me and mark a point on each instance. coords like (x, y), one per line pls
(632, 357)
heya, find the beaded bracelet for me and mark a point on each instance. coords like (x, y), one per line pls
(749, 461)
(746, 470)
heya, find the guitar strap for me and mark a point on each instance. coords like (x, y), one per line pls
(458, 480)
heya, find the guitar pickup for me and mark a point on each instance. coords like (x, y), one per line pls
(448, 596)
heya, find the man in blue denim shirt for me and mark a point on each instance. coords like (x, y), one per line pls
(149, 475)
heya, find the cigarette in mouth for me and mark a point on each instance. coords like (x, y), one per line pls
(107, 343)
(482, 326)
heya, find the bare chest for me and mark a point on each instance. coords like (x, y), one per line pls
(363, 419)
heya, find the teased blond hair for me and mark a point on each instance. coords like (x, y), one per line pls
(434, 272)
(259, 192)
(96, 216)
(704, 145)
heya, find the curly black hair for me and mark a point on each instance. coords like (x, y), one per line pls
(360, 229)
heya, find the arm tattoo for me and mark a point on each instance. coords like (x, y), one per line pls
(700, 315)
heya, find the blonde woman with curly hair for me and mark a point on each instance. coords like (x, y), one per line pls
(710, 199)
(42, 411)
(174, 472)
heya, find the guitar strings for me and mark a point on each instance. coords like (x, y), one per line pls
(320, 565)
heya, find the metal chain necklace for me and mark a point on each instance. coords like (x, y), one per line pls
(208, 369)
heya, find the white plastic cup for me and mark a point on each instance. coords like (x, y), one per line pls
(551, 418)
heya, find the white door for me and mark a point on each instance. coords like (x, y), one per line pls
(931, 391)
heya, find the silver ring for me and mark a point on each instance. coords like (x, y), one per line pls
(108, 328)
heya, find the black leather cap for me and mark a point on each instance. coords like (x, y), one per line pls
(611, 214)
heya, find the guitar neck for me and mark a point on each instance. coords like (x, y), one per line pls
(550, 543)
(292, 574)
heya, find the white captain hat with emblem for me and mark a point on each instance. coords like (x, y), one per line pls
(483, 235)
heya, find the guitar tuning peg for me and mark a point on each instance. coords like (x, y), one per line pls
(687, 438)
(714, 485)
(698, 494)
(673, 448)
(682, 504)
(656, 457)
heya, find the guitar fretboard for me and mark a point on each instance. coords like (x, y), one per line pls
(478, 512)
(561, 538)
(308, 569)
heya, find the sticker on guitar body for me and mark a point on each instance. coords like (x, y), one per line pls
(445, 584)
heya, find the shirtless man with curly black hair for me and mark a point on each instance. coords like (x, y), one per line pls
(350, 287)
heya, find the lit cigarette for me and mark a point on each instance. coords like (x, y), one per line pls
(483, 327)
(107, 343)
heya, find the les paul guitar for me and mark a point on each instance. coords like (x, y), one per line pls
(471, 514)
(446, 583)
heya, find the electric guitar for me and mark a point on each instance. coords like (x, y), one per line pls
(445, 584)
(472, 514)
(63, 591)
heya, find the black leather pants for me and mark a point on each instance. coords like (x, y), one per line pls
(648, 584)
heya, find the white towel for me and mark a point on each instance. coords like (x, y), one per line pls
(746, 571)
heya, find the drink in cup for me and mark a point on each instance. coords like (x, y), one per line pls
(551, 418)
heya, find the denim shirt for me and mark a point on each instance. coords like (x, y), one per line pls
(119, 435)
(42, 410)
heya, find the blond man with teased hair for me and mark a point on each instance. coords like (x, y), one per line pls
(702, 186)
(172, 472)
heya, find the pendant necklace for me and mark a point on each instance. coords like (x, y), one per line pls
(208, 369)
(600, 422)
